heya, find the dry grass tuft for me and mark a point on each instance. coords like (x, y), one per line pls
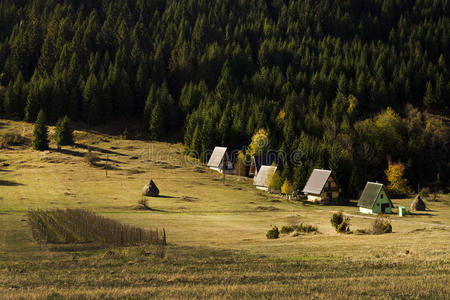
(11, 139)
(91, 159)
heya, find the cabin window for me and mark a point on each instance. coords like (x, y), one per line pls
(329, 184)
(378, 204)
(381, 196)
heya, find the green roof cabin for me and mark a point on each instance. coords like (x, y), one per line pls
(375, 200)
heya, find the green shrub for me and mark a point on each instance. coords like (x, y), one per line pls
(336, 219)
(340, 222)
(273, 233)
(298, 228)
(307, 228)
(287, 229)
(381, 225)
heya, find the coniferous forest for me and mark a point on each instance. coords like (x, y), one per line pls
(349, 84)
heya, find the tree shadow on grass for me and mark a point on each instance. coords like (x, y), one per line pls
(72, 152)
(9, 183)
(165, 196)
(159, 196)
(421, 214)
(155, 209)
(104, 151)
(82, 154)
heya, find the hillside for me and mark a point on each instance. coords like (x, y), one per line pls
(217, 246)
(320, 76)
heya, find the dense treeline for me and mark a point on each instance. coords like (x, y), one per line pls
(318, 75)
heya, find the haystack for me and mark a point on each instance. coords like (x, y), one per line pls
(418, 204)
(150, 189)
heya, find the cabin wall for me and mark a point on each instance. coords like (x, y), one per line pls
(331, 186)
(314, 198)
(382, 198)
(365, 210)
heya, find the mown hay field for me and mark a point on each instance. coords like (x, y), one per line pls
(215, 229)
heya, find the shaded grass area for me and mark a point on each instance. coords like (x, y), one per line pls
(65, 226)
(9, 183)
(197, 272)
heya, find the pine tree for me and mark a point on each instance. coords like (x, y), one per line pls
(63, 132)
(33, 103)
(156, 122)
(196, 142)
(40, 133)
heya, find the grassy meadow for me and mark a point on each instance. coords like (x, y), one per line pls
(215, 228)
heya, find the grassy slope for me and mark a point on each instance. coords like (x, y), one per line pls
(216, 231)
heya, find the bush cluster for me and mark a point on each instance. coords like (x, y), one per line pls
(381, 225)
(273, 233)
(298, 228)
(340, 222)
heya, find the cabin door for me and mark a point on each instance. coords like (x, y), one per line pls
(383, 207)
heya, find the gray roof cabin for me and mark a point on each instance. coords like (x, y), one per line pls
(322, 187)
(264, 176)
(219, 160)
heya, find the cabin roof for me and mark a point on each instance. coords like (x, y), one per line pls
(370, 195)
(264, 174)
(217, 157)
(316, 181)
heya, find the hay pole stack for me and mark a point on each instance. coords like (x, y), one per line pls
(418, 204)
(150, 189)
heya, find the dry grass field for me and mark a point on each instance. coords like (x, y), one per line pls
(215, 227)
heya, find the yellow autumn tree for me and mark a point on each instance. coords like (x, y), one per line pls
(259, 143)
(394, 174)
(274, 182)
(287, 188)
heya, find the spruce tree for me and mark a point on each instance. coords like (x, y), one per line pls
(40, 133)
(156, 122)
(64, 133)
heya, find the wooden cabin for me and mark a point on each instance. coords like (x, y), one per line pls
(220, 160)
(323, 188)
(258, 161)
(375, 200)
(262, 180)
